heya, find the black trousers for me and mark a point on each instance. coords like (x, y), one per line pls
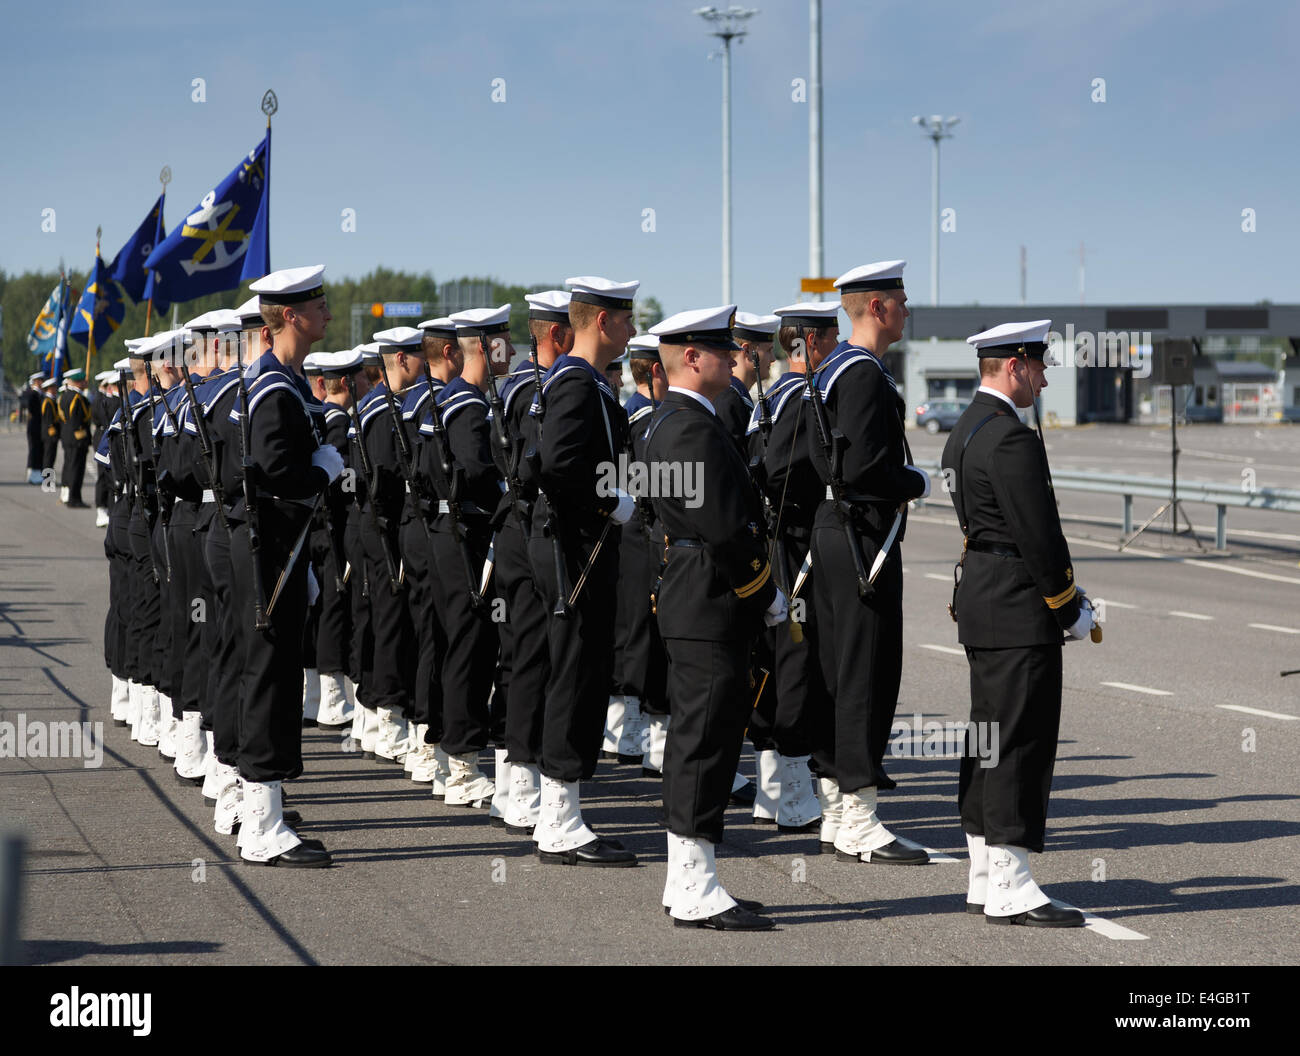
(334, 609)
(530, 655)
(469, 664)
(35, 443)
(430, 641)
(581, 649)
(361, 657)
(270, 660)
(144, 602)
(1019, 689)
(103, 488)
(74, 468)
(804, 714)
(224, 671)
(861, 649)
(49, 453)
(170, 572)
(186, 613)
(644, 671)
(708, 688)
(208, 626)
(117, 548)
(392, 679)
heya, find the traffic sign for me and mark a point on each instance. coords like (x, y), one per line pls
(403, 309)
(817, 285)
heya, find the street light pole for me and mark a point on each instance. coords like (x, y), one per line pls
(936, 127)
(727, 25)
(816, 260)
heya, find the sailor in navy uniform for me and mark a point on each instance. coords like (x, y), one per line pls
(524, 634)
(715, 595)
(861, 624)
(583, 431)
(291, 472)
(101, 413)
(111, 465)
(75, 410)
(637, 725)
(456, 457)
(1014, 601)
(32, 399)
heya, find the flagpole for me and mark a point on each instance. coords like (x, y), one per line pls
(90, 337)
(164, 177)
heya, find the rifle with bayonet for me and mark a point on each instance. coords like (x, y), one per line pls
(163, 500)
(247, 466)
(336, 547)
(132, 456)
(501, 437)
(367, 471)
(552, 528)
(206, 450)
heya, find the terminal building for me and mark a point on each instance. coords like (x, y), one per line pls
(1107, 360)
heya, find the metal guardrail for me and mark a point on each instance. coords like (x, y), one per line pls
(1220, 496)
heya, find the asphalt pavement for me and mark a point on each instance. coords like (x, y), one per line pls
(1175, 818)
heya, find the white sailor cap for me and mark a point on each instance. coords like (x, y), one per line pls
(703, 326)
(442, 326)
(644, 346)
(38, 376)
(813, 314)
(228, 320)
(49, 383)
(205, 323)
(750, 327)
(105, 376)
(250, 311)
(482, 322)
(369, 352)
(882, 275)
(292, 285)
(75, 374)
(311, 364)
(173, 339)
(122, 364)
(399, 338)
(133, 346)
(336, 364)
(1012, 339)
(549, 305)
(592, 289)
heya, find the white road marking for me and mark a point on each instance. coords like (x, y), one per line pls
(1189, 615)
(1259, 711)
(1273, 627)
(1116, 604)
(1140, 689)
(935, 856)
(941, 579)
(1092, 922)
(944, 649)
(1242, 571)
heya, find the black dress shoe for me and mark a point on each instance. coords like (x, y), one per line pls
(596, 853)
(75, 505)
(744, 903)
(826, 848)
(308, 723)
(300, 857)
(892, 853)
(763, 821)
(497, 823)
(120, 722)
(292, 817)
(181, 779)
(745, 795)
(812, 826)
(649, 771)
(975, 907)
(520, 830)
(734, 919)
(1045, 916)
(629, 760)
(611, 756)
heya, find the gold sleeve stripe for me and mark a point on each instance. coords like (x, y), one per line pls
(1063, 598)
(755, 584)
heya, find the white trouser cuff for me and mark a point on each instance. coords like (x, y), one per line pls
(798, 805)
(121, 699)
(860, 829)
(334, 709)
(768, 796)
(831, 800)
(310, 693)
(1011, 889)
(656, 740)
(150, 714)
(229, 810)
(370, 731)
(561, 827)
(698, 893)
(501, 784)
(977, 883)
(525, 806)
(614, 716)
(630, 741)
(264, 833)
(191, 747)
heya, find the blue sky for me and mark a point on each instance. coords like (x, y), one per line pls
(612, 108)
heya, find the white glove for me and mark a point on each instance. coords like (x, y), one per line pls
(622, 513)
(924, 476)
(327, 457)
(313, 588)
(778, 611)
(1085, 623)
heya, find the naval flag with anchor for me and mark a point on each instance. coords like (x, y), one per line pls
(226, 238)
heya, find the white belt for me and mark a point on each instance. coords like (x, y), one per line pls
(208, 496)
(408, 488)
(830, 492)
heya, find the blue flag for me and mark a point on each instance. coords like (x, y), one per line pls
(225, 239)
(41, 338)
(127, 268)
(100, 311)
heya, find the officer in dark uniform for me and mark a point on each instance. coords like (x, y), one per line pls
(869, 481)
(111, 466)
(715, 594)
(50, 423)
(290, 473)
(101, 413)
(1015, 597)
(74, 408)
(583, 429)
(32, 397)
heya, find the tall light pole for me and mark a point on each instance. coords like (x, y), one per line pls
(936, 127)
(816, 258)
(727, 26)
